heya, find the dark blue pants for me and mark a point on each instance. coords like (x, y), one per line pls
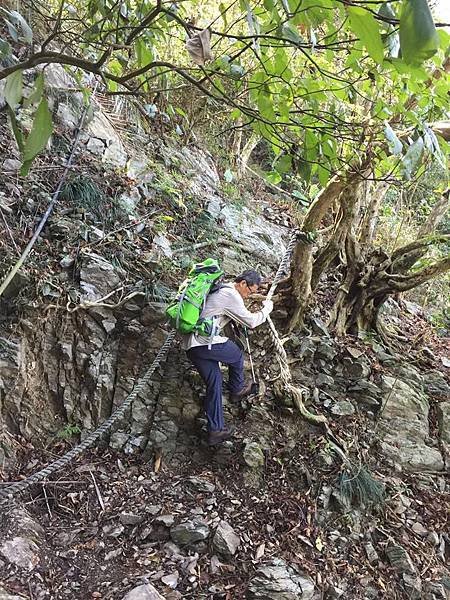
(206, 362)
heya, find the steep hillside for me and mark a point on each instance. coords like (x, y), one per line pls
(153, 512)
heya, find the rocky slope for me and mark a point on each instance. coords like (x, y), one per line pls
(155, 513)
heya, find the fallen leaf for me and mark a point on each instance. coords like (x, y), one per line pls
(319, 544)
(260, 551)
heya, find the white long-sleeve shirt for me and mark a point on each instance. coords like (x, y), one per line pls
(226, 304)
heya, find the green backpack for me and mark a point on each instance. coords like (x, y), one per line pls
(184, 311)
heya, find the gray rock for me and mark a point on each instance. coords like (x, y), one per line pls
(413, 586)
(400, 560)
(11, 164)
(334, 592)
(115, 155)
(201, 485)
(325, 351)
(436, 385)
(419, 529)
(163, 245)
(118, 440)
(323, 380)
(366, 393)
(130, 519)
(343, 408)
(372, 554)
(404, 427)
(278, 581)
(4, 595)
(189, 532)
(306, 348)
(443, 414)
(433, 590)
(409, 375)
(153, 509)
(225, 540)
(356, 369)
(253, 455)
(319, 327)
(166, 520)
(96, 146)
(171, 580)
(21, 552)
(143, 592)
(66, 262)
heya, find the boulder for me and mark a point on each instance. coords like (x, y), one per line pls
(21, 552)
(253, 455)
(443, 414)
(226, 541)
(201, 485)
(279, 581)
(404, 427)
(189, 532)
(436, 385)
(4, 595)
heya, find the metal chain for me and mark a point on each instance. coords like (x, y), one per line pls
(90, 440)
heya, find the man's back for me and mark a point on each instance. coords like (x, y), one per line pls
(226, 303)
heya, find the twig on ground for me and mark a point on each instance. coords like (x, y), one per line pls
(99, 496)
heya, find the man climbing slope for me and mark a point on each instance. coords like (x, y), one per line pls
(225, 304)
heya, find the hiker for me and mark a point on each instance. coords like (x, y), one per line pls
(206, 353)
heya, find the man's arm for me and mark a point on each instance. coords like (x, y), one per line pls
(235, 308)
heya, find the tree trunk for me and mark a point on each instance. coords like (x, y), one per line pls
(302, 261)
(246, 152)
(349, 202)
(370, 220)
(368, 284)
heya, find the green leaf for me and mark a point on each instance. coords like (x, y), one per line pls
(412, 157)
(14, 22)
(291, 34)
(223, 14)
(418, 37)
(15, 128)
(283, 164)
(273, 177)
(228, 176)
(36, 94)
(39, 135)
(265, 106)
(5, 49)
(394, 143)
(386, 11)
(13, 89)
(144, 54)
(364, 25)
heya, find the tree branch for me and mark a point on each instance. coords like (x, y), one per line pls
(403, 283)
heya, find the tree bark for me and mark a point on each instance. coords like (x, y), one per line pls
(370, 220)
(246, 152)
(349, 203)
(302, 262)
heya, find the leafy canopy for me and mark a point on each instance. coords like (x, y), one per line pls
(325, 83)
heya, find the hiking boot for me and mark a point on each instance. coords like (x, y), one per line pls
(246, 391)
(217, 437)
